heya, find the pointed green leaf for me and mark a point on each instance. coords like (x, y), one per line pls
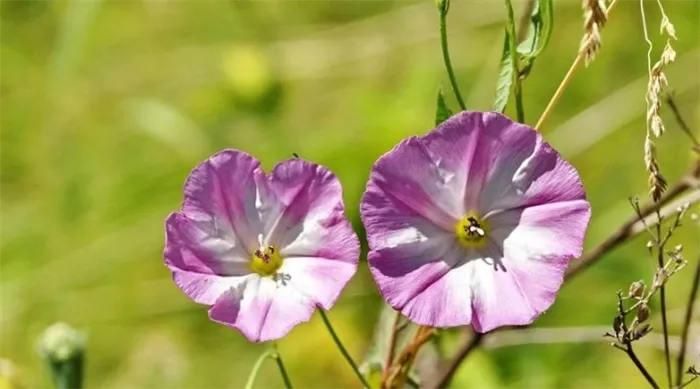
(442, 112)
(505, 77)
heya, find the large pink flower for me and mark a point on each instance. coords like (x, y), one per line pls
(473, 223)
(262, 250)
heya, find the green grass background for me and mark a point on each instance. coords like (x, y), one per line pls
(107, 106)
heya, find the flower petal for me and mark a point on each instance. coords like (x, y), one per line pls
(203, 246)
(408, 177)
(319, 279)
(309, 218)
(204, 261)
(221, 192)
(204, 288)
(446, 302)
(515, 167)
(522, 271)
(261, 309)
(406, 270)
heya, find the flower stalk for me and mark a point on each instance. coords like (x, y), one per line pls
(256, 367)
(270, 353)
(63, 349)
(342, 349)
(686, 323)
(443, 8)
(283, 371)
(517, 81)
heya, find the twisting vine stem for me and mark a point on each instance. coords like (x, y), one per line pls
(517, 82)
(443, 8)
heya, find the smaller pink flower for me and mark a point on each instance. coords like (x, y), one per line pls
(473, 223)
(263, 250)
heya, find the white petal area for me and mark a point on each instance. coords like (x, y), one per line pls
(319, 279)
(262, 309)
(204, 288)
(523, 267)
(543, 231)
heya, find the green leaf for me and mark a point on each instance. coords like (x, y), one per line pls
(539, 33)
(505, 77)
(442, 112)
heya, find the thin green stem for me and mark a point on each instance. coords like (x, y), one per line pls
(686, 324)
(662, 295)
(446, 58)
(256, 367)
(342, 349)
(283, 371)
(517, 86)
(270, 353)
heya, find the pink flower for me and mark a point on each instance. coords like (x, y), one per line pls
(263, 250)
(473, 223)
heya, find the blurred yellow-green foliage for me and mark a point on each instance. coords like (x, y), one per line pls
(107, 105)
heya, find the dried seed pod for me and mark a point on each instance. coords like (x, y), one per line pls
(643, 312)
(637, 289)
(641, 331)
(660, 278)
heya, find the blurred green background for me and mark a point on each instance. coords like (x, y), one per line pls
(107, 106)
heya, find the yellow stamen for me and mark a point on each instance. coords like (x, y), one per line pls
(471, 231)
(266, 261)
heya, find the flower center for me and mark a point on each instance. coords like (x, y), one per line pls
(265, 261)
(471, 230)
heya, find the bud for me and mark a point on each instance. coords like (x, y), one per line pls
(650, 245)
(443, 6)
(637, 289)
(643, 312)
(63, 348)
